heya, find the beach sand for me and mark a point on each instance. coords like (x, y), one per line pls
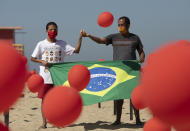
(25, 115)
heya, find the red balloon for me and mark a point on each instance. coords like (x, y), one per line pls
(182, 127)
(79, 77)
(24, 59)
(3, 127)
(100, 59)
(29, 73)
(137, 98)
(33, 72)
(35, 83)
(165, 83)
(105, 19)
(186, 128)
(12, 76)
(155, 124)
(62, 105)
(142, 69)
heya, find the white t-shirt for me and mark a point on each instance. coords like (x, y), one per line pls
(52, 53)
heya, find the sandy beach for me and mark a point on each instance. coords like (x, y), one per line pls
(25, 115)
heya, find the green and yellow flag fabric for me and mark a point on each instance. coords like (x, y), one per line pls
(110, 80)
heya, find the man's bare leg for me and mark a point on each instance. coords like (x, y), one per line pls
(119, 104)
(44, 124)
(137, 116)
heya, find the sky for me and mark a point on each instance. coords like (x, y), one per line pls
(155, 22)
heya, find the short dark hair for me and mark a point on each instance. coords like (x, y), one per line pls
(51, 23)
(126, 19)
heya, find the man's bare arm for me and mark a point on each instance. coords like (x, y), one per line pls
(45, 63)
(94, 38)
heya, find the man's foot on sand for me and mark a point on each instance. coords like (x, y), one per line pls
(116, 123)
(43, 127)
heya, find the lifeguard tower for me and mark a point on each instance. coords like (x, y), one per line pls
(7, 36)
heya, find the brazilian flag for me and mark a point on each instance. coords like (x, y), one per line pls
(110, 80)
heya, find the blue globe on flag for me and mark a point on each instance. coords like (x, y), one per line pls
(101, 79)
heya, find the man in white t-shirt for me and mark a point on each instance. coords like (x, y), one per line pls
(51, 51)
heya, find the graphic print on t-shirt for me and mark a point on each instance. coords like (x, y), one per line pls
(52, 54)
(56, 53)
(59, 53)
(56, 59)
(51, 59)
(47, 59)
(46, 53)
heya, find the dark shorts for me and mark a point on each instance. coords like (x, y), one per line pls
(44, 90)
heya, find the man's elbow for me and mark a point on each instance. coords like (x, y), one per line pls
(141, 52)
(32, 58)
(103, 42)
